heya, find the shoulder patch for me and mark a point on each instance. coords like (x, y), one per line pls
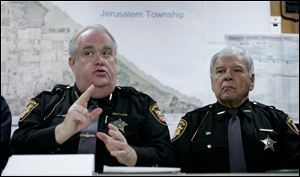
(292, 126)
(157, 114)
(180, 129)
(30, 106)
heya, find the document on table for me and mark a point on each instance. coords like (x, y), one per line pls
(50, 165)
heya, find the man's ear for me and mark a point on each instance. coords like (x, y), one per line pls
(211, 83)
(252, 82)
(71, 62)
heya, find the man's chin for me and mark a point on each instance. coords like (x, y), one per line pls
(228, 97)
(102, 84)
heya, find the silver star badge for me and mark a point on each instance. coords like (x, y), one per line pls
(120, 124)
(268, 143)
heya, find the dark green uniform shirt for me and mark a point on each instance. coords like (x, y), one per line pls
(138, 115)
(200, 140)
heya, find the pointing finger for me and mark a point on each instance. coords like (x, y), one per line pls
(84, 98)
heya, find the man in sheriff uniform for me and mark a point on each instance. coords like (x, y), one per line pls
(269, 140)
(119, 125)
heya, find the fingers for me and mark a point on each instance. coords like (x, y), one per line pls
(115, 133)
(89, 117)
(84, 98)
(79, 109)
(96, 112)
(110, 144)
(117, 145)
(102, 136)
(114, 140)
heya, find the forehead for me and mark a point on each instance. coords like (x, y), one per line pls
(94, 37)
(231, 61)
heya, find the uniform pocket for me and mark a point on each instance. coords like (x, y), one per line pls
(210, 153)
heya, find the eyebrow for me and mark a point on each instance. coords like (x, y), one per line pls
(236, 66)
(220, 67)
(92, 47)
(107, 47)
(87, 47)
(240, 66)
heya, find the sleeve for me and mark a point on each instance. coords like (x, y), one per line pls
(5, 121)
(181, 142)
(32, 136)
(157, 149)
(289, 141)
(5, 132)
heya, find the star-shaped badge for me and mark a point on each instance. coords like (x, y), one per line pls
(268, 143)
(120, 124)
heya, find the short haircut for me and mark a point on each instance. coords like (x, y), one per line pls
(232, 51)
(73, 42)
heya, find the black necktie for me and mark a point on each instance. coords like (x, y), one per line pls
(87, 142)
(235, 144)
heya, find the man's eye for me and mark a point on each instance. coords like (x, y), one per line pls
(88, 53)
(106, 54)
(220, 71)
(238, 70)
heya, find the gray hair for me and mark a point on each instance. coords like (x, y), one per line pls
(232, 51)
(73, 42)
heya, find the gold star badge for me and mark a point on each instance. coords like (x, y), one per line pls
(120, 124)
(268, 143)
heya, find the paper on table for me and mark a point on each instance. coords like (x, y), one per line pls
(50, 165)
(110, 169)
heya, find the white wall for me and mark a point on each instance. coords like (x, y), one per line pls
(231, 17)
(184, 47)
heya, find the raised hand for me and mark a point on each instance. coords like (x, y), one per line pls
(118, 147)
(77, 117)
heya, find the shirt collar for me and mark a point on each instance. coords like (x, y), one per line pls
(222, 111)
(109, 100)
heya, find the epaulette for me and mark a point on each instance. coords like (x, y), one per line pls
(203, 109)
(60, 88)
(255, 103)
(131, 90)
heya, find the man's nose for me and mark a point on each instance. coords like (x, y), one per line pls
(99, 59)
(228, 75)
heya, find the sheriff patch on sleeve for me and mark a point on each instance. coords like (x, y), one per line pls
(180, 129)
(157, 114)
(31, 105)
(292, 126)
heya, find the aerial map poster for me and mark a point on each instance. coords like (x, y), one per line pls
(276, 67)
(164, 49)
